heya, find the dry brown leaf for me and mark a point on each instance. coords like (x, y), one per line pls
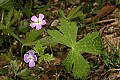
(45, 77)
(103, 12)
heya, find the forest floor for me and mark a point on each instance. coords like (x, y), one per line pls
(109, 29)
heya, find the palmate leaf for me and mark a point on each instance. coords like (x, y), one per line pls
(67, 36)
(87, 44)
(80, 65)
(40, 50)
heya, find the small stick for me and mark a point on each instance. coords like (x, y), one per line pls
(104, 21)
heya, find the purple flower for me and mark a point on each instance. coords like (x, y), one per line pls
(30, 58)
(37, 22)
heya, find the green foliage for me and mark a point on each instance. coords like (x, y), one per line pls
(117, 2)
(3, 71)
(40, 50)
(31, 37)
(89, 43)
(74, 13)
(61, 12)
(24, 26)
(9, 56)
(112, 59)
(70, 34)
(75, 62)
(6, 4)
(7, 29)
(14, 66)
(27, 11)
(2, 26)
(10, 18)
(47, 41)
(67, 36)
(2, 2)
(24, 74)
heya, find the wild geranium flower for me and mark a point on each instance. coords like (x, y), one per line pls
(37, 22)
(30, 58)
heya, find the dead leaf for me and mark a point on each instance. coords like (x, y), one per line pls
(45, 77)
(103, 12)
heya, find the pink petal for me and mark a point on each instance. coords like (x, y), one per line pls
(32, 25)
(31, 63)
(35, 58)
(43, 22)
(38, 27)
(26, 56)
(41, 16)
(31, 52)
(34, 18)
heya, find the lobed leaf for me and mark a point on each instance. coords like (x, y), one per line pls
(31, 37)
(73, 12)
(87, 44)
(76, 63)
(67, 34)
(39, 49)
(61, 12)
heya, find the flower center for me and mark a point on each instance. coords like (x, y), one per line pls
(30, 58)
(39, 21)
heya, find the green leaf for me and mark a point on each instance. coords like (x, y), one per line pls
(31, 37)
(47, 41)
(67, 35)
(61, 13)
(48, 57)
(117, 2)
(9, 20)
(10, 31)
(24, 72)
(72, 12)
(3, 71)
(43, 9)
(2, 26)
(79, 14)
(9, 16)
(24, 26)
(9, 56)
(27, 11)
(39, 49)
(14, 66)
(75, 62)
(2, 2)
(7, 4)
(87, 44)
(16, 16)
(41, 58)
